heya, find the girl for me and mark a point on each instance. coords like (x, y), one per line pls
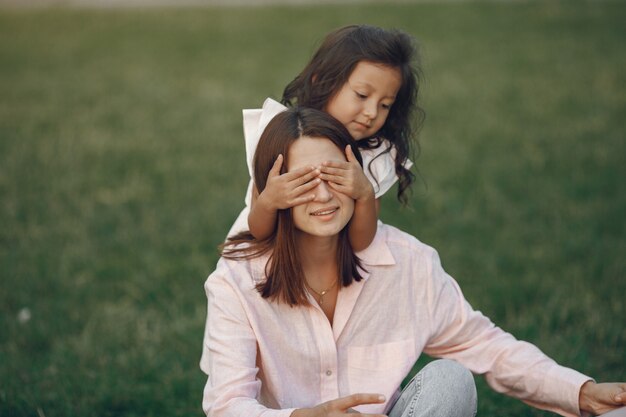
(363, 76)
(276, 348)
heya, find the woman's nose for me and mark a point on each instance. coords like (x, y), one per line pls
(323, 193)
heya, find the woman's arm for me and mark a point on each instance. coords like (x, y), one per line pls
(510, 366)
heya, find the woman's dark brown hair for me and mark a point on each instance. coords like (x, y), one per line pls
(284, 276)
(331, 66)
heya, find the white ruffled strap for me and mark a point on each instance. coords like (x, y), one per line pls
(254, 123)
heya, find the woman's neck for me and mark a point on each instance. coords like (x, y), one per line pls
(319, 259)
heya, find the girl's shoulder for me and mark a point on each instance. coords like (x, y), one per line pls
(254, 123)
(255, 120)
(381, 152)
(379, 165)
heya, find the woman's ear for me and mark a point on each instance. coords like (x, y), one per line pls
(313, 78)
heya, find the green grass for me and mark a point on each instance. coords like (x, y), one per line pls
(122, 168)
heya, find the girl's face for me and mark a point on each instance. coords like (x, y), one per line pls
(363, 102)
(331, 210)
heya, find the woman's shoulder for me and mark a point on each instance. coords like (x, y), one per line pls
(399, 241)
(243, 273)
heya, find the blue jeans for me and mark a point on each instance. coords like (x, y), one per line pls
(443, 388)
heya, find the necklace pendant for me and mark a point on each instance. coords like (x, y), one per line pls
(322, 294)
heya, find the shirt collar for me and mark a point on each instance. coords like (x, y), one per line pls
(376, 254)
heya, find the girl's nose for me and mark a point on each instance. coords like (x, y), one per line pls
(323, 193)
(370, 110)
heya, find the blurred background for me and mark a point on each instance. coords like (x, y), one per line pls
(122, 168)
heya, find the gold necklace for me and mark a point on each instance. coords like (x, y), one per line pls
(323, 293)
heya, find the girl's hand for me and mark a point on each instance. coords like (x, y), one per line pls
(342, 407)
(348, 177)
(601, 398)
(289, 189)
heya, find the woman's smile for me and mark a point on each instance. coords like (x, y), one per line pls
(325, 213)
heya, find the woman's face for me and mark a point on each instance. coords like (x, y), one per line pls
(331, 210)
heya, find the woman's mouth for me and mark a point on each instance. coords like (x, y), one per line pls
(325, 211)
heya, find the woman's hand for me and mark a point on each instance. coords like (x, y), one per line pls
(342, 407)
(601, 398)
(289, 189)
(348, 177)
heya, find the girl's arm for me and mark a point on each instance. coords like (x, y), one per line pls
(262, 219)
(281, 192)
(364, 221)
(349, 178)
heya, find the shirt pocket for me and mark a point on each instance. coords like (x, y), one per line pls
(379, 369)
(383, 356)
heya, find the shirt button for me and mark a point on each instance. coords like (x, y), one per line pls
(329, 372)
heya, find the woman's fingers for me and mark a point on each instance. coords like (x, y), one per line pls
(599, 398)
(620, 397)
(355, 400)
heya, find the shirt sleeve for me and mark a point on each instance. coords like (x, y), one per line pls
(510, 366)
(380, 168)
(229, 357)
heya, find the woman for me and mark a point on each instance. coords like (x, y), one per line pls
(299, 325)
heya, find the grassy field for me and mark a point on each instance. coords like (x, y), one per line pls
(122, 168)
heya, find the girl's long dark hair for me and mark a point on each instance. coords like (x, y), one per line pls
(284, 275)
(331, 66)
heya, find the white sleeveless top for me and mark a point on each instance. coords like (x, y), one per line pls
(381, 172)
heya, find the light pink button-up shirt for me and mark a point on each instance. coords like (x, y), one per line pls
(266, 359)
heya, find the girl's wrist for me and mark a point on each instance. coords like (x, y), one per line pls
(367, 197)
(265, 203)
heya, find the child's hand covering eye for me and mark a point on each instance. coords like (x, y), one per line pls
(348, 177)
(289, 189)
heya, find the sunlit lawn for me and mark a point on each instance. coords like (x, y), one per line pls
(122, 168)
